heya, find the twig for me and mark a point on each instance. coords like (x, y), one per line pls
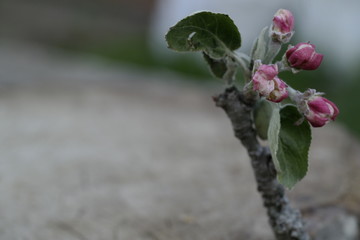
(285, 221)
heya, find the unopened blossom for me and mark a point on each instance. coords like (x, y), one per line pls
(303, 56)
(283, 26)
(280, 91)
(268, 84)
(320, 111)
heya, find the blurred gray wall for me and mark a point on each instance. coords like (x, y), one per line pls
(76, 21)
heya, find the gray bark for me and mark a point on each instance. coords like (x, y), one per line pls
(285, 221)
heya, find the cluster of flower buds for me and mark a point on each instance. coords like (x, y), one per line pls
(315, 108)
(268, 84)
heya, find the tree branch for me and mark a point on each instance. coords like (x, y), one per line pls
(285, 221)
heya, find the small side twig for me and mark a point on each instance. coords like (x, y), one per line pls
(286, 222)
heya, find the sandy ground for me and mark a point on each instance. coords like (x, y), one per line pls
(92, 151)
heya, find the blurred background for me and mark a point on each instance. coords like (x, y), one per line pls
(131, 33)
(107, 134)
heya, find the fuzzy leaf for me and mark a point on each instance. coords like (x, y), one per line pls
(262, 115)
(289, 145)
(213, 33)
(259, 48)
(273, 135)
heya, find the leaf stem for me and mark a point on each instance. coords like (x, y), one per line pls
(294, 95)
(273, 50)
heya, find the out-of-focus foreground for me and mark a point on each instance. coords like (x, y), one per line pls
(92, 149)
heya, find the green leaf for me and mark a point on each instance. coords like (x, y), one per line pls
(262, 115)
(260, 46)
(213, 33)
(273, 135)
(217, 66)
(289, 145)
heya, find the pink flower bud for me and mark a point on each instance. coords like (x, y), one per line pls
(266, 82)
(280, 92)
(303, 56)
(320, 111)
(283, 26)
(283, 21)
